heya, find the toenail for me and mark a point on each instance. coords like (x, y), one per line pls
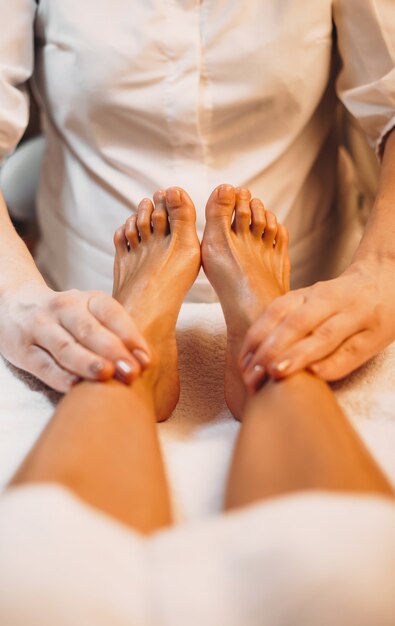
(142, 357)
(244, 194)
(124, 371)
(174, 195)
(160, 195)
(225, 191)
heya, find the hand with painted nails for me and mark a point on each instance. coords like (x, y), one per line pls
(330, 328)
(62, 337)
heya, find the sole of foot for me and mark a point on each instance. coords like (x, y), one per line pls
(245, 258)
(156, 262)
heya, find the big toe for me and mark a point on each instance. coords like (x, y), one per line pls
(179, 207)
(221, 203)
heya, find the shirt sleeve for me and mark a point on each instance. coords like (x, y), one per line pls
(366, 84)
(16, 67)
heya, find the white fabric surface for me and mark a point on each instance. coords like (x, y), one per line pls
(312, 560)
(309, 559)
(146, 94)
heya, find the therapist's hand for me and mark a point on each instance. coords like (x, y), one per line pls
(62, 337)
(331, 328)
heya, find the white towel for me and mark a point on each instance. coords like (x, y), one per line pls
(306, 559)
(198, 439)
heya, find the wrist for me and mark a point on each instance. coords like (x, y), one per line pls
(370, 265)
(365, 254)
(34, 283)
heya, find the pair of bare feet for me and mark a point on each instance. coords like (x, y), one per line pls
(244, 253)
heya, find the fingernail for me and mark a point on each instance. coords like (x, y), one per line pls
(253, 377)
(246, 360)
(96, 368)
(142, 357)
(124, 371)
(281, 367)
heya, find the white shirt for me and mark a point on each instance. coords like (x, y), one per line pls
(142, 94)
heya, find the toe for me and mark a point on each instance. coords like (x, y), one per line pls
(270, 233)
(221, 204)
(282, 239)
(179, 207)
(242, 211)
(160, 218)
(258, 218)
(120, 242)
(131, 232)
(144, 214)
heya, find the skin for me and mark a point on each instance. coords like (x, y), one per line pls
(332, 327)
(61, 337)
(102, 442)
(335, 326)
(239, 262)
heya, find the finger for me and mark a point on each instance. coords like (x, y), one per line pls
(41, 364)
(91, 334)
(116, 321)
(71, 355)
(300, 322)
(255, 377)
(255, 372)
(353, 353)
(270, 318)
(322, 342)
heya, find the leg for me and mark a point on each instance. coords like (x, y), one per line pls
(102, 442)
(294, 435)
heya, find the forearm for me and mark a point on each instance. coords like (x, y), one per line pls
(378, 240)
(16, 262)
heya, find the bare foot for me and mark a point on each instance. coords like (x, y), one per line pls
(245, 257)
(157, 260)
